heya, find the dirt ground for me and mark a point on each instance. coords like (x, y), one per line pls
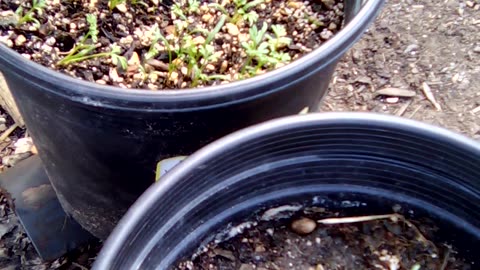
(413, 45)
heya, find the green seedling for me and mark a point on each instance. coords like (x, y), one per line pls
(242, 11)
(114, 54)
(112, 4)
(157, 37)
(219, 7)
(193, 6)
(265, 53)
(207, 53)
(255, 48)
(181, 9)
(29, 16)
(83, 50)
(251, 17)
(177, 10)
(139, 2)
(195, 56)
(279, 41)
(314, 21)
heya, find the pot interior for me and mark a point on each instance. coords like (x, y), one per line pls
(361, 165)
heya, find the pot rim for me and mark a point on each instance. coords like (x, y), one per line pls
(125, 227)
(323, 55)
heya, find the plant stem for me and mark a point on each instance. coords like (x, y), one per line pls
(83, 58)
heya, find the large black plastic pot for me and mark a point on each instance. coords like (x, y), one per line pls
(100, 144)
(357, 163)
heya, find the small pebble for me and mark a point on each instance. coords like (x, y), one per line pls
(134, 59)
(114, 75)
(50, 41)
(152, 86)
(332, 26)
(232, 29)
(303, 226)
(173, 76)
(244, 266)
(392, 100)
(153, 77)
(295, 5)
(198, 40)
(224, 66)
(122, 8)
(20, 40)
(243, 37)
(207, 17)
(326, 34)
(210, 67)
(260, 249)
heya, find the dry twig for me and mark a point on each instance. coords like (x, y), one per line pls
(429, 95)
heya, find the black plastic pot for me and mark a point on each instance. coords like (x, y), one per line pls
(100, 144)
(357, 163)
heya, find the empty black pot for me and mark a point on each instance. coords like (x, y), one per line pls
(334, 160)
(100, 144)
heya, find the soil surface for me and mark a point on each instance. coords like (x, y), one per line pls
(317, 240)
(411, 43)
(416, 44)
(167, 44)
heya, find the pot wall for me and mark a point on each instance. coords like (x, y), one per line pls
(100, 144)
(356, 163)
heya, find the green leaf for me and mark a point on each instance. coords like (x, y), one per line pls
(251, 17)
(123, 62)
(219, 7)
(19, 11)
(239, 3)
(177, 10)
(92, 28)
(251, 4)
(416, 267)
(263, 48)
(261, 33)
(285, 40)
(279, 30)
(217, 28)
(38, 5)
(253, 34)
(193, 5)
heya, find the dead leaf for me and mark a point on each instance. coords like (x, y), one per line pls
(395, 92)
(35, 197)
(429, 95)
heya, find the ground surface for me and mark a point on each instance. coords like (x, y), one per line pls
(413, 42)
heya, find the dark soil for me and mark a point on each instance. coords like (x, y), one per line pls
(167, 45)
(302, 242)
